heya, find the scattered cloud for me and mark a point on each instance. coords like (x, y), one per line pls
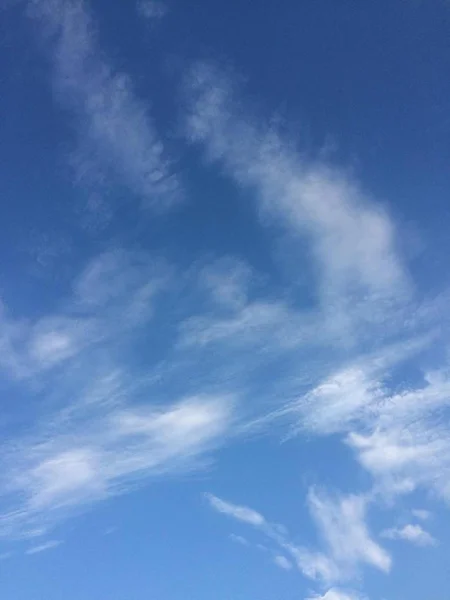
(152, 9)
(240, 513)
(114, 425)
(352, 237)
(238, 539)
(118, 142)
(422, 514)
(410, 533)
(341, 522)
(50, 545)
(112, 297)
(92, 459)
(282, 562)
(336, 594)
(395, 429)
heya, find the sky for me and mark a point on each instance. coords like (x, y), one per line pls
(224, 325)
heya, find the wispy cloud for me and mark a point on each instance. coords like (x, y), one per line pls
(240, 513)
(341, 522)
(352, 238)
(239, 539)
(410, 533)
(282, 562)
(50, 545)
(118, 142)
(396, 432)
(112, 297)
(421, 513)
(337, 594)
(98, 455)
(102, 438)
(152, 9)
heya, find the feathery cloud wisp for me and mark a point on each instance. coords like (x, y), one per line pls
(240, 513)
(152, 9)
(282, 562)
(342, 524)
(336, 594)
(118, 141)
(102, 439)
(410, 533)
(50, 545)
(352, 238)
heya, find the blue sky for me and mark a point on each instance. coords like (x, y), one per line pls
(224, 359)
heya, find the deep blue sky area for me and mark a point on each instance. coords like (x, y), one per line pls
(224, 329)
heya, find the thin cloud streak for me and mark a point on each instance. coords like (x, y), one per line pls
(353, 239)
(341, 522)
(103, 439)
(43, 547)
(415, 534)
(118, 141)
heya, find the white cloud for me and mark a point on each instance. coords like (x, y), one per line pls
(98, 455)
(352, 238)
(53, 340)
(227, 281)
(118, 141)
(336, 594)
(239, 539)
(397, 433)
(342, 523)
(314, 565)
(152, 9)
(421, 513)
(115, 423)
(410, 533)
(282, 562)
(341, 400)
(61, 478)
(112, 297)
(240, 513)
(248, 325)
(44, 547)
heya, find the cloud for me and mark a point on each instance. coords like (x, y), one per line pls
(282, 562)
(396, 428)
(421, 513)
(410, 533)
(228, 281)
(363, 291)
(352, 238)
(240, 513)
(111, 299)
(339, 401)
(118, 142)
(336, 594)
(44, 547)
(115, 424)
(239, 539)
(407, 444)
(342, 523)
(100, 455)
(152, 9)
